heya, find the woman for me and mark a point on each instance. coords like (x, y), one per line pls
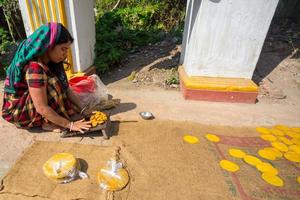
(36, 90)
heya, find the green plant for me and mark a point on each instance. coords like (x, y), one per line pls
(116, 35)
(173, 78)
(4, 41)
(2, 71)
(4, 62)
(138, 17)
(13, 18)
(13, 31)
(108, 42)
(123, 25)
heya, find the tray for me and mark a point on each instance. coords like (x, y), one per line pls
(104, 128)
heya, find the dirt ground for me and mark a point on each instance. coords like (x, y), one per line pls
(150, 66)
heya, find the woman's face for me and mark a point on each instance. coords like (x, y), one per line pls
(59, 53)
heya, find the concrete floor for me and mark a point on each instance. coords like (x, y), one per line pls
(170, 105)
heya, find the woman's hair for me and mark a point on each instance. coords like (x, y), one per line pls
(64, 35)
(58, 68)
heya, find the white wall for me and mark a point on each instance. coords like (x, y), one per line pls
(224, 38)
(80, 16)
(25, 17)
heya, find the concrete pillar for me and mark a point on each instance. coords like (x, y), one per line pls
(81, 16)
(221, 44)
(76, 15)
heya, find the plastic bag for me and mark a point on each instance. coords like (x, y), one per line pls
(90, 90)
(63, 168)
(113, 177)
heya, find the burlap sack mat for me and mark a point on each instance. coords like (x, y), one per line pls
(26, 179)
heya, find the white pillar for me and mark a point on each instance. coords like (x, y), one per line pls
(81, 20)
(224, 38)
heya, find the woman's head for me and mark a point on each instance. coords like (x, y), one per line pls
(50, 43)
(59, 51)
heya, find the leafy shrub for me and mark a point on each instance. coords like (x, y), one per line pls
(5, 40)
(132, 24)
(173, 77)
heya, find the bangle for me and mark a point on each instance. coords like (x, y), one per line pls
(71, 125)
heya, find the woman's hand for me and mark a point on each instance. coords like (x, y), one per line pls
(80, 125)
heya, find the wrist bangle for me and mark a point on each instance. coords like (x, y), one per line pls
(71, 126)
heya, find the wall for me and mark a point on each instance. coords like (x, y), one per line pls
(80, 15)
(223, 38)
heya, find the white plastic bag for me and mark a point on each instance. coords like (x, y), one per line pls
(113, 177)
(63, 168)
(90, 91)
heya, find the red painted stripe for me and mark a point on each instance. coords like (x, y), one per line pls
(251, 142)
(219, 96)
(235, 179)
(243, 141)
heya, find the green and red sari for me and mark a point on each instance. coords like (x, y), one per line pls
(25, 72)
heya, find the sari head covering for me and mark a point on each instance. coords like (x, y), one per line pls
(35, 45)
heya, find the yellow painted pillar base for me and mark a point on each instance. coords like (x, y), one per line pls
(235, 90)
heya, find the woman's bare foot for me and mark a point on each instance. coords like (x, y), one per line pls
(47, 126)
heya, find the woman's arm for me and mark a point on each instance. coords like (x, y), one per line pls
(40, 101)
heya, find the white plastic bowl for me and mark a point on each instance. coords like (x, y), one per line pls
(146, 115)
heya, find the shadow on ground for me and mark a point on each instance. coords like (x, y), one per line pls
(282, 41)
(164, 54)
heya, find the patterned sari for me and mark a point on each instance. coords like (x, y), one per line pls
(24, 72)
